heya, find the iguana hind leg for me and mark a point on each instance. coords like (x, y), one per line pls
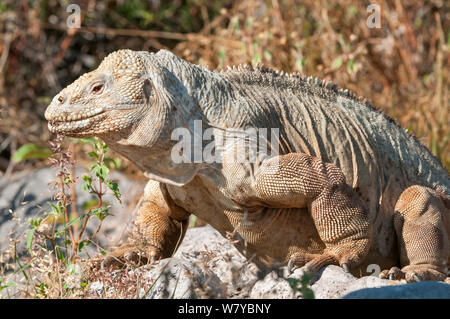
(159, 228)
(300, 180)
(421, 222)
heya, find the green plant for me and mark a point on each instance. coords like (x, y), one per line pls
(31, 151)
(5, 285)
(302, 286)
(72, 232)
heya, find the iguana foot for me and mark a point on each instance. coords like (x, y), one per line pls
(394, 273)
(422, 272)
(414, 273)
(311, 263)
(128, 255)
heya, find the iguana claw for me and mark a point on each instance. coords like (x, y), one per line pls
(291, 266)
(345, 267)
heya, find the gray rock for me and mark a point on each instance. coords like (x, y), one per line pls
(333, 282)
(97, 287)
(181, 279)
(205, 246)
(330, 282)
(418, 290)
(169, 278)
(273, 286)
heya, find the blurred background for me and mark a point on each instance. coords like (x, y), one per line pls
(403, 67)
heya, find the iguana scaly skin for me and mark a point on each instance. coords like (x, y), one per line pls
(349, 186)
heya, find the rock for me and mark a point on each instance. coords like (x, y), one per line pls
(273, 286)
(330, 282)
(203, 257)
(333, 282)
(418, 290)
(205, 246)
(169, 278)
(97, 287)
(182, 279)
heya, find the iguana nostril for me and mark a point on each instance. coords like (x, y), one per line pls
(60, 99)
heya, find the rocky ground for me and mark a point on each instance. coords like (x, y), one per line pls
(206, 265)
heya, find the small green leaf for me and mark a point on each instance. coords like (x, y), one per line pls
(59, 254)
(115, 189)
(93, 154)
(73, 221)
(100, 170)
(31, 151)
(100, 212)
(112, 162)
(351, 66)
(90, 140)
(30, 236)
(90, 203)
(307, 293)
(293, 282)
(8, 284)
(337, 62)
(306, 278)
(83, 244)
(56, 209)
(87, 185)
(35, 222)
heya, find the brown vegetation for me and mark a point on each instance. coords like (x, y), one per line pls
(402, 67)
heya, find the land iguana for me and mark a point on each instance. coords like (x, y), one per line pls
(348, 185)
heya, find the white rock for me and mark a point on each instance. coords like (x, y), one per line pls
(181, 279)
(333, 282)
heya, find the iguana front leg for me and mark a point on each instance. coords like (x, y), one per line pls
(299, 180)
(159, 229)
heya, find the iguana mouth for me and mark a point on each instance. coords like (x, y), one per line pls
(75, 122)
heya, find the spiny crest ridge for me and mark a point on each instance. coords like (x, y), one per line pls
(261, 74)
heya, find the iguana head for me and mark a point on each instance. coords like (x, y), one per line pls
(108, 99)
(134, 100)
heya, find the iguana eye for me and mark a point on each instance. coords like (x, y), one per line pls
(97, 88)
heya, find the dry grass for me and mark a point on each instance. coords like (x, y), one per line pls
(403, 67)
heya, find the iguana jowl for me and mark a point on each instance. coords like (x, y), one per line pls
(349, 186)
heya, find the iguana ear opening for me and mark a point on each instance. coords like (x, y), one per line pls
(148, 90)
(171, 91)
